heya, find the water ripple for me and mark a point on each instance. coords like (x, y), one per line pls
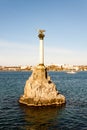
(72, 116)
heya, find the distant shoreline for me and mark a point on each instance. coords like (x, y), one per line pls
(49, 68)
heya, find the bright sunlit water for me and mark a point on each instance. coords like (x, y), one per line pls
(72, 116)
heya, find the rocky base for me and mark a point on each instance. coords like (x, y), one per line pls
(40, 90)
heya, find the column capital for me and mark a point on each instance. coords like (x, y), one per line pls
(41, 34)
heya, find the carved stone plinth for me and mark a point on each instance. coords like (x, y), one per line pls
(40, 90)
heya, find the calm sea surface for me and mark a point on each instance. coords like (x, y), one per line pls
(72, 116)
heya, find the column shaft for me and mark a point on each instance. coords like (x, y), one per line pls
(42, 51)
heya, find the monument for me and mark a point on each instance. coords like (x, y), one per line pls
(39, 89)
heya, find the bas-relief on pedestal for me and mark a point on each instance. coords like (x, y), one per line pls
(39, 89)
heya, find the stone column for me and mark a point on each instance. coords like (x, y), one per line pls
(39, 89)
(41, 38)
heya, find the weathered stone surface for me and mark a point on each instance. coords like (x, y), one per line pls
(40, 90)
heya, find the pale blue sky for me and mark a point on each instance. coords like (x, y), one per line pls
(65, 22)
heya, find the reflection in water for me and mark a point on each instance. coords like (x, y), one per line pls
(40, 118)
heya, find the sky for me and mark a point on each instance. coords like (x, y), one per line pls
(65, 22)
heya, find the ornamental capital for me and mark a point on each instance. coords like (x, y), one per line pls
(41, 34)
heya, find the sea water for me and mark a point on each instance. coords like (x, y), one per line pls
(72, 116)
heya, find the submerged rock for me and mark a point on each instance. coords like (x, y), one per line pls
(40, 90)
